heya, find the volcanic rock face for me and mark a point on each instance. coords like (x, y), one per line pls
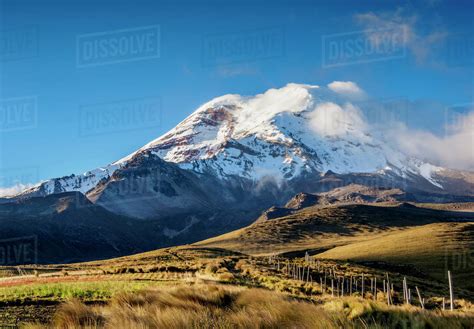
(247, 153)
(67, 227)
(282, 133)
(302, 200)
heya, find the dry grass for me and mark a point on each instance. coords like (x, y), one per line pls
(432, 248)
(216, 306)
(322, 228)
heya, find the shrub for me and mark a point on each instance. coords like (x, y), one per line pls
(74, 314)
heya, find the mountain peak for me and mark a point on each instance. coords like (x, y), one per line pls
(281, 134)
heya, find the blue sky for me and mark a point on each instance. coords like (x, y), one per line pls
(433, 70)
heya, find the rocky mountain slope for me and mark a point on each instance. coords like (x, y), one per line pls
(283, 135)
(216, 171)
(68, 227)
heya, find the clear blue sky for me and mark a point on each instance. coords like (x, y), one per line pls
(183, 77)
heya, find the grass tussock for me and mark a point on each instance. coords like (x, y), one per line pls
(217, 306)
(75, 314)
(370, 314)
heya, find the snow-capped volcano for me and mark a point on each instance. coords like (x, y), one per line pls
(286, 133)
(228, 162)
(281, 133)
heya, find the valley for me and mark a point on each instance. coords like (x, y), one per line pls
(299, 261)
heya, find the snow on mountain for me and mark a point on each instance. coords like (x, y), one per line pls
(281, 133)
(427, 170)
(80, 183)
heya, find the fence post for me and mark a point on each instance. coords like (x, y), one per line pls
(405, 292)
(375, 288)
(362, 285)
(451, 296)
(350, 287)
(342, 287)
(388, 295)
(419, 298)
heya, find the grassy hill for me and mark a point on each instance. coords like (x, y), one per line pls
(431, 249)
(403, 238)
(320, 228)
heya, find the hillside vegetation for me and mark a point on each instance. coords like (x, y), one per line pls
(188, 286)
(218, 306)
(431, 249)
(319, 228)
(318, 266)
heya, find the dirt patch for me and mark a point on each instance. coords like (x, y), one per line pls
(13, 316)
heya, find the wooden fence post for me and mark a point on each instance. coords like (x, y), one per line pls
(350, 287)
(362, 285)
(451, 295)
(375, 288)
(388, 294)
(405, 292)
(342, 287)
(419, 298)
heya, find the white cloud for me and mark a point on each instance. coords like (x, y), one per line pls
(420, 44)
(13, 190)
(329, 119)
(453, 150)
(453, 147)
(347, 88)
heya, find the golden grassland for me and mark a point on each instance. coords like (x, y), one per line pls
(320, 228)
(257, 277)
(432, 249)
(190, 287)
(219, 306)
